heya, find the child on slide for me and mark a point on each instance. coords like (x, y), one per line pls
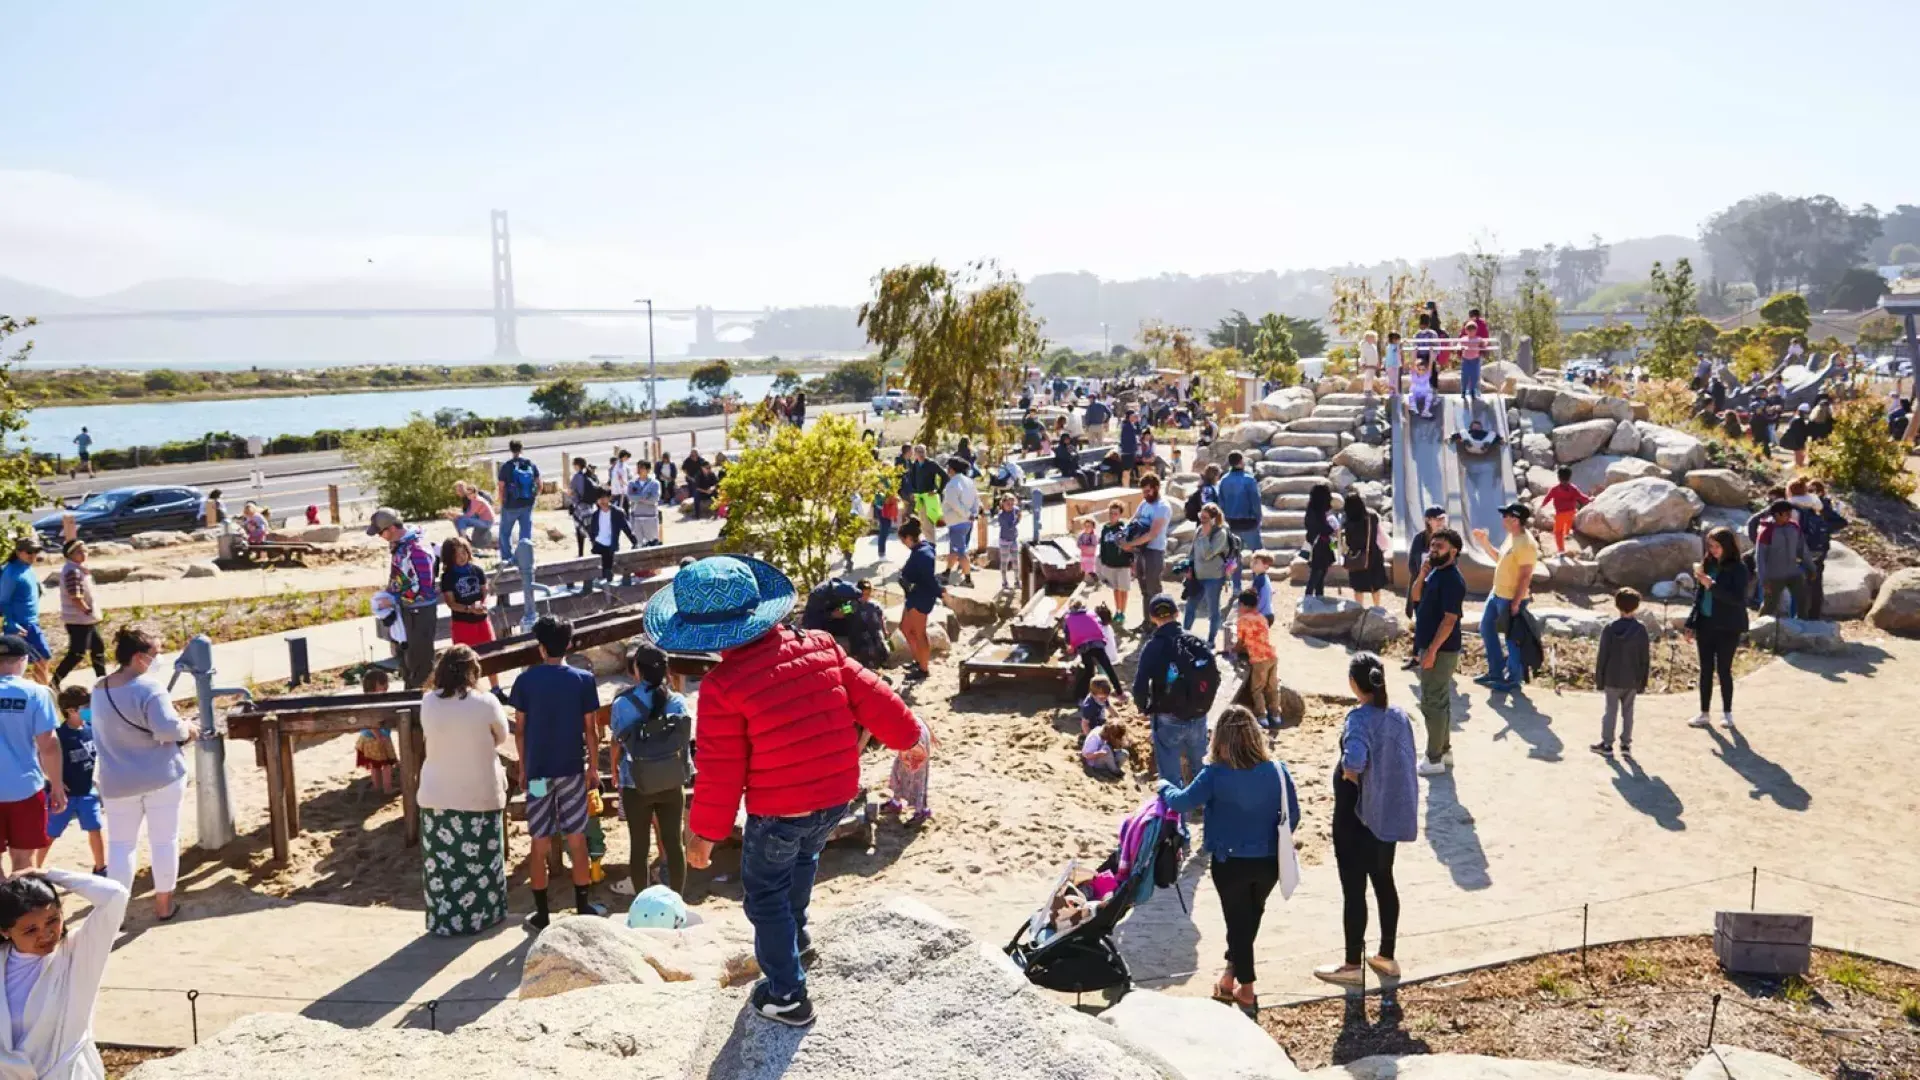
(1421, 399)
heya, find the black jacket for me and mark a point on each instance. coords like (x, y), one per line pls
(590, 521)
(1524, 638)
(1626, 656)
(1729, 594)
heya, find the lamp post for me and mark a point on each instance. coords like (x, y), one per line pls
(653, 405)
(1105, 349)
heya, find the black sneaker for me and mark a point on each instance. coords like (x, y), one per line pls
(808, 954)
(1626, 747)
(536, 922)
(796, 1011)
(1603, 749)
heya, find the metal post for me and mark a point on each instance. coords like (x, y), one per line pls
(212, 804)
(653, 403)
(1753, 893)
(1585, 911)
(1713, 1020)
(193, 1009)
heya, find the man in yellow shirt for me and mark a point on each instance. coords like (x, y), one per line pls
(1512, 581)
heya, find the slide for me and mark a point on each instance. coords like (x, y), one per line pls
(1419, 452)
(1429, 471)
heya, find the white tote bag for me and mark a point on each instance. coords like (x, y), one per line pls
(1289, 858)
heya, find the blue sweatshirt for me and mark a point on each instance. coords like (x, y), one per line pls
(1243, 807)
(19, 594)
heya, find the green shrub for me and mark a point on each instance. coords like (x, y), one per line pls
(1861, 454)
(413, 468)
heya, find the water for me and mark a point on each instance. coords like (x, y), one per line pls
(51, 430)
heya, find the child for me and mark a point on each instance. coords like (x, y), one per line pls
(1263, 679)
(1421, 400)
(908, 782)
(1393, 363)
(77, 755)
(1262, 563)
(1565, 499)
(1008, 520)
(1095, 706)
(1146, 445)
(1621, 671)
(313, 514)
(1178, 467)
(1087, 642)
(1105, 751)
(652, 729)
(464, 586)
(1089, 539)
(643, 504)
(373, 750)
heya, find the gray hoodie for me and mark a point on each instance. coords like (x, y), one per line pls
(1625, 658)
(1779, 552)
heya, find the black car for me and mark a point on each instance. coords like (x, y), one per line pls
(125, 511)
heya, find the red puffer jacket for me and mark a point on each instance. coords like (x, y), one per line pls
(777, 721)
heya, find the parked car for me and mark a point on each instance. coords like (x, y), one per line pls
(894, 401)
(124, 511)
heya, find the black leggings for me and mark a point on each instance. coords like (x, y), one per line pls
(1716, 655)
(1093, 655)
(84, 639)
(1243, 886)
(1317, 577)
(1363, 857)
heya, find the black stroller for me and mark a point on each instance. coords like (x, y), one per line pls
(1085, 958)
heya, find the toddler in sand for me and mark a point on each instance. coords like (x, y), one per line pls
(373, 749)
(908, 782)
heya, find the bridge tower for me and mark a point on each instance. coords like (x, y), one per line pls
(704, 340)
(506, 340)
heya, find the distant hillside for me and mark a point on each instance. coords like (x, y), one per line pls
(1630, 259)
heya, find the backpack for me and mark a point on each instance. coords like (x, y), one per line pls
(1815, 531)
(1194, 503)
(1170, 853)
(1196, 679)
(1111, 553)
(523, 480)
(656, 759)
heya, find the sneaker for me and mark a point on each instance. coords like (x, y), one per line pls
(1503, 687)
(536, 922)
(1726, 720)
(1273, 722)
(946, 577)
(1447, 759)
(1700, 721)
(1603, 749)
(1412, 664)
(966, 582)
(796, 1011)
(1487, 680)
(1626, 747)
(1429, 768)
(1339, 974)
(1384, 966)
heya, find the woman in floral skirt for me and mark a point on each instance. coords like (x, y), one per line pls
(463, 794)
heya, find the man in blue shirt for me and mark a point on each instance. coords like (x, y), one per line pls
(1177, 740)
(1239, 496)
(32, 782)
(1439, 593)
(83, 445)
(519, 484)
(20, 602)
(1130, 443)
(553, 722)
(1154, 520)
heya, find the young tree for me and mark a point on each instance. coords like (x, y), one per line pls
(1219, 386)
(786, 381)
(1394, 305)
(1482, 271)
(1536, 315)
(710, 379)
(1604, 340)
(1670, 341)
(1861, 454)
(1274, 356)
(1787, 309)
(18, 468)
(965, 339)
(561, 399)
(413, 467)
(797, 498)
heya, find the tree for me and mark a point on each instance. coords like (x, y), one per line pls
(1789, 243)
(1274, 356)
(1858, 289)
(965, 338)
(1214, 373)
(1536, 315)
(1392, 306)
(710, 380)
(1904, 254)
(786, 381)
(1670, 339)
(798, 498)
(1604, 340)
(18, 467)
(561, 399)
(851, 380)
(1878, 333)
(1577, 271)
(1169, 345)
(413, 467)
(1482, 271)
(1898, 229)
(1787, 309)
(1236, 331)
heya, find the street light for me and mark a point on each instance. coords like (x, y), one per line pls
(653, 406)
(1104, 347)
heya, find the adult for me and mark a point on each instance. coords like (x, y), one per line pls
(141, 773)
(1718, 620)
(413, 584)
(1173, 663)
(1795, 433)
(1432, 520)
(1152, 522)
(1066, 462)
(53, 972)
(1250, 805)
(1370, 358)
(652, 731)
(923, 591)
(1321, 527)
(1512, 583)
(463, 795)
(1210, 550)
(703, 485)
(1440, 594)
(965, 452)
(83, 446)
(1818, 522)
(1375, 806)
(1780, 559)
(921, 485)
(959, 506)
(1474, 334)
(1096, 417)
(213, 509)
(476, 512)
(80, 613)
(1366, 557)
(643, 504)
(518, 483)
(32, 772)
(780, 718)
(580, 488)
(797, 411)
(1240, 505)
(1130, 444)
(20, 602)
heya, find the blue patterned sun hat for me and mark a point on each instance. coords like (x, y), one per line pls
(718, 603)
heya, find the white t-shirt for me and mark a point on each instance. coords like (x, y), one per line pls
(604, 537)
(1094, 744)
(461, 769)
(23, 972)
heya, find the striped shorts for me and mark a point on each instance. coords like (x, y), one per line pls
(557, 806)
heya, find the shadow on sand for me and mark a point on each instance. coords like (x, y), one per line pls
(1770, 779)
(1650, 795)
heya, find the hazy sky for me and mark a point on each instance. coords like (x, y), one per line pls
(760, 153)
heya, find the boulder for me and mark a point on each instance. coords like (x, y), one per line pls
(1290, 469)
(1366, 461)
(321, 534)
(1615, 408)
(1320, 617)
(1251, 433)
(1674, 451)
(1737, 1063)
(557, 535)
(1537, 450)
(1281, 406)
(1375, 627)
(1850, 585)
(1580, 440)
(1495, 373)
(147, 541)
(1200, 1037)
(103, 573)
(1340, 478)
(1795, 635)
(1540, 479)
(1462, 1067)
(1294, 454)
(1276, 487)
(200, 570)
(1590, 475)
(1536, 397)
(1625, 440)
(1535, 421)
(1631, 468)
(1569, 407)
(109, 547)
(1566, 572)
(152, 573)
(1571, 622)
(579, 951)
(1638, 508)
(1293, 707)
(1897, 608)
(1714, 517)
(1372, 492)
(1326, 443)
(1721, 487)
(1643, 560)
(719, 953)
(1329, 386)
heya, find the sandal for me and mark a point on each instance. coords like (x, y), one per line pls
(1223, 991)
(1250, 1008)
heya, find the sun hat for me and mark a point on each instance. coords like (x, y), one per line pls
(718, 603)
(657, 908)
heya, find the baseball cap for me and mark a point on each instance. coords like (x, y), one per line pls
(1163, 604)
(382, 519)
(1517, 510)
(27, 542)
(1434, 512)
(13, 645)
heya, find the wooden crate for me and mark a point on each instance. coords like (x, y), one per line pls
(1762, 943)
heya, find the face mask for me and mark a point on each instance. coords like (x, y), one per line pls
(86, 714)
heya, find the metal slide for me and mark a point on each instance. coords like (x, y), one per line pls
(1428, 471)
(1419, 450)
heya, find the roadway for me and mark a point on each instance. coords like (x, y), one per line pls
(290, 482)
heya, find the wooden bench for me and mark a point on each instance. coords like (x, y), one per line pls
(280, 552)
(1018, 662)
(1095, 502)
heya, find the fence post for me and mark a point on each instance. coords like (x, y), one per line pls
(1585, 909)
(433, 1015)
(193, 1007)
(1713, 1020)
(1753, 894)
(333, 504)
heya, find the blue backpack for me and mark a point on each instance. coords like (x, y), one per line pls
(523, 480)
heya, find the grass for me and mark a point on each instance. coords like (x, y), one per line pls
(244, 617)
(1557, 984)
(1796, 991)
(1852, 974)
(1910, 1006)
(1641, 970)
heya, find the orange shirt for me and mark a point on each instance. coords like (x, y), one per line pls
(1252, 632)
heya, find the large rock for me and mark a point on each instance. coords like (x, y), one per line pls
(1850, 585)
(1366, 461)
(1590, 475)
(1643, 560)
(1282, 487)
(1795, 635)
(1290, 470)
(153, 573)
(104, 548)
(1282, 406)
(1537, 450)
(1569, 407)
(200, 570)
(1536, 397)
(1326, 443)
(1625, 439)
(1721, 487)
(321, 534)
(1251, 433)
(579, 951)
(147, 541)
(1580, 441)
(1571, 622)
(1714, 517)
(1675, 451)
(1320, 617)
(1294, 454)
(1377, 626)
(1462, 1067)
(1737, 1063)
(1340, 478)
(1897, 608)
(1566, 572)
(1201, 1037)
(1637, 508)
(1535, 421)
(1631, 468)
(1293, 707)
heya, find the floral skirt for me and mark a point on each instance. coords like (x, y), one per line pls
(465, 868)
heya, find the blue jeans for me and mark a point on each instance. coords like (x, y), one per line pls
(1501, 664)
(882, 527)
(511, 516)
(469, 521)
(778, 859)
(1249, 543)
(1205, 591)
(1179, 747)
(1469, 378)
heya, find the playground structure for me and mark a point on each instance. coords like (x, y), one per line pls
(1430, 468)
(1800, 384)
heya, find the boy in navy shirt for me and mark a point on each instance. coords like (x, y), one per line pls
(554, 709)
(77, 755)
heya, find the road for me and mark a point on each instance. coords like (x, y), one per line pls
(290, 482)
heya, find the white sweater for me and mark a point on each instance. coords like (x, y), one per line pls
(59, 1040)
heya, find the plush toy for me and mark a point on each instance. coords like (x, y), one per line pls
(1071, 909)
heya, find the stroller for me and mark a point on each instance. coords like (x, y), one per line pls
(1068, 945)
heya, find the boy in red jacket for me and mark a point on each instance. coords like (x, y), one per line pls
(1566, 500)
(778, 724)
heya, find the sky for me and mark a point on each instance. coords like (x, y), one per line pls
(755, 154)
